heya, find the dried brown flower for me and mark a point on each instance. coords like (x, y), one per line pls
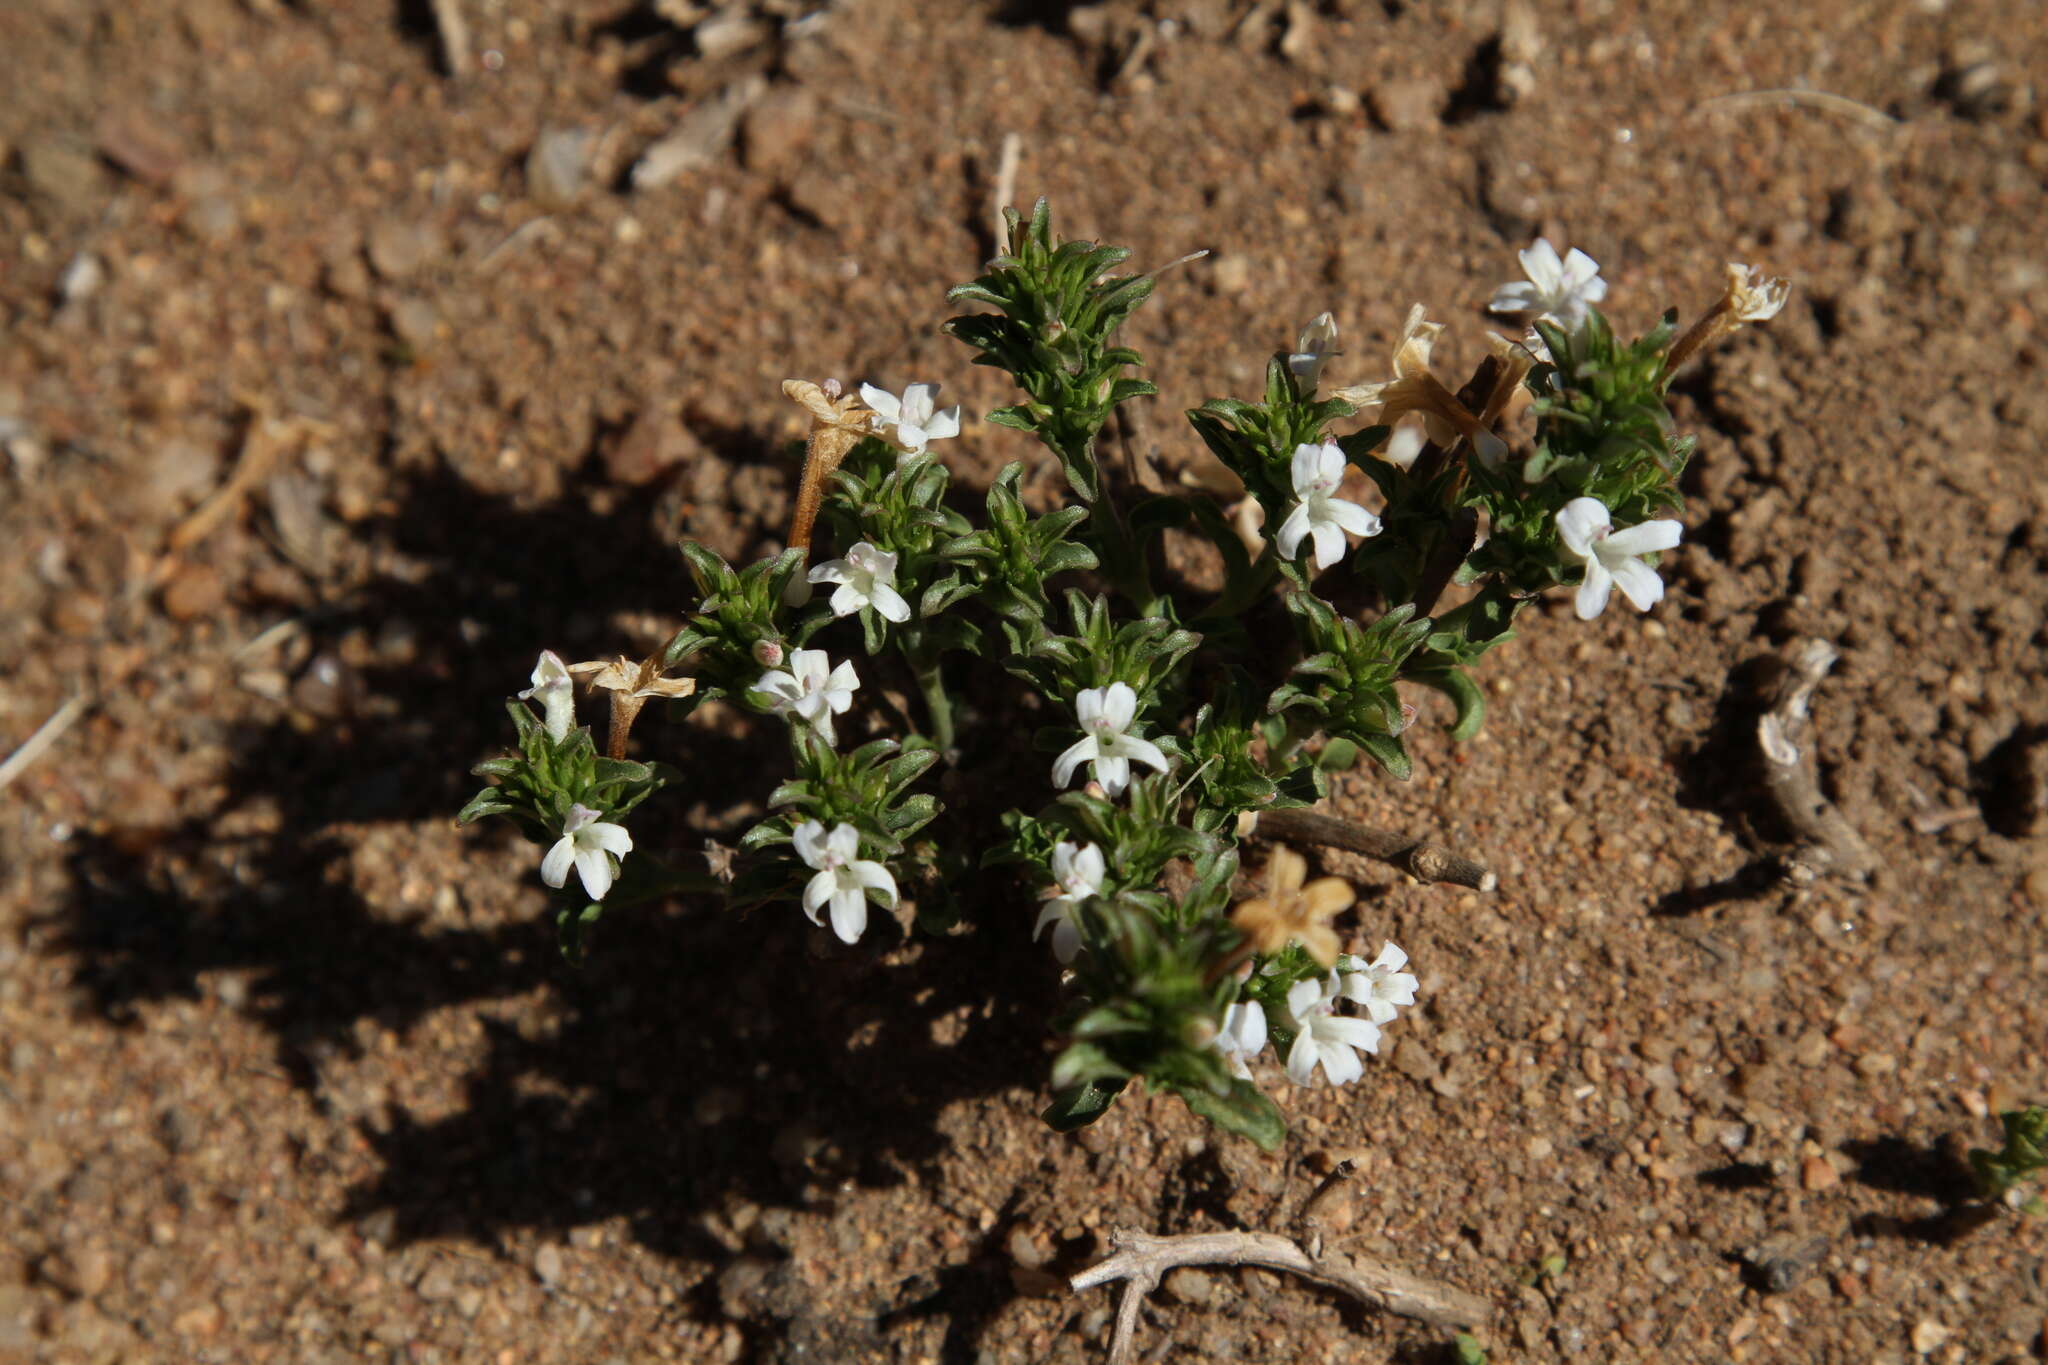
(1292, 912)
(840, 422)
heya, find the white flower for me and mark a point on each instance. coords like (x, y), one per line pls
(1753, 295)
(1312, 349)
(1242, 1037)
(1105, 714)
(1325, 1036)
(909, 422)
(1404, 445)
(551, 683)
(1557, 289)
(1321, 514)
(866, 578)
(1610, 556)
(1380, 985)
(1077, 873)
(808, 691)
(844, 879)
(589, 843)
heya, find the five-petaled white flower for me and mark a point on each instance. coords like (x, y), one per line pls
(1611, 556)
(1380, 985)
(1077, 874)
(866, 578)
(1325, 1036)
(1321, 514)
(845, 880)
(1242, 1037)
(552, 684)
(589, 844)
(811, 689)
(1106, 714)
(1312, 350)
(911, 422)
(1561, 290)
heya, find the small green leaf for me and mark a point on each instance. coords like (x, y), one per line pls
(1246, 1110)
(486, 802)
(1077, 1106)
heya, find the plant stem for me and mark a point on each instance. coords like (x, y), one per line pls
(938, 704)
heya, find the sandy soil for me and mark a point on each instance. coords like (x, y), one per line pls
(292, 1069)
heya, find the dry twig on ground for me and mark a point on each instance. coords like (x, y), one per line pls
(454, 33)
(1142, 1259)
(1419, 858)
(1825, 841)
(47, 734)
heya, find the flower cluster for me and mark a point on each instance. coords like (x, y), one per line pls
(1434, 511)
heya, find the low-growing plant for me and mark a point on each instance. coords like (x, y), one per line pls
(1361, 539)
(2023, 1155)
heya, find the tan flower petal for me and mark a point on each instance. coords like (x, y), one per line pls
(1284, 873)
(1326, 897)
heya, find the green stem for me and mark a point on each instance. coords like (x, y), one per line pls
(938, 704)
(1290, 743)
(1123, 560)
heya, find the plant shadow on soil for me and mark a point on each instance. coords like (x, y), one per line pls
(699, 1059)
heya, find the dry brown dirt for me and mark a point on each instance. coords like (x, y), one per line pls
(292, 1071)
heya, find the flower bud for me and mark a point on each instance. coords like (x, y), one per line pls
(768, 653)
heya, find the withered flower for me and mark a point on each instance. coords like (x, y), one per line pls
(632, 686)
(840, 421)
(1750, 296)
(1415, 388)
(1292, 912)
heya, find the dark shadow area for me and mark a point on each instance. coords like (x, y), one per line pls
(2011, 782)
(1199, 1188)
(1739, 1175)
(653, 46)
(1054, 16)
(699, 1058)
(1478, 91)
(1934, 1171)
(968, 1295)
(1902, 1167)
(1720, 774)
(414, 20)
(1746, 883)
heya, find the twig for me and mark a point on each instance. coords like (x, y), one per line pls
(1420, 859)
(1826, 840)
(1141, 1259)
(1811, 99)
(530, 230)
(454, 31)
(1006, 190)
(1935, 821)
(264, 440)
(37, 744)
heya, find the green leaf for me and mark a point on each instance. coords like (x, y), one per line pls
(1082, 1062)
(1246, 1110)
(1465, 695)
(489, 801)
(1077, 1106)
(1389, 753)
